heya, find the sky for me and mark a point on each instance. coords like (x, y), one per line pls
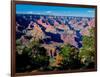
(54, 10)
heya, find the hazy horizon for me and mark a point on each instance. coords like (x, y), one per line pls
(54, 10)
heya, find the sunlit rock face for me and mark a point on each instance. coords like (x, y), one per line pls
(53, 29)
